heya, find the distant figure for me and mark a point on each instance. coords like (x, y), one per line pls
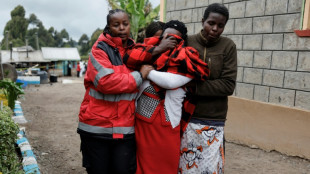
(82, 67)
(154, 29)
(68, 69)
(78, 69)
(85, 66)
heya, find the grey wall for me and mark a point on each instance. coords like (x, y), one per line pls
(273, 62)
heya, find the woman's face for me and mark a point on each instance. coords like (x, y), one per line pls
(158, 33)
(120, 25)
(213, 26)
(172, 31)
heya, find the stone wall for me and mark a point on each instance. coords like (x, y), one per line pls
(273, 62)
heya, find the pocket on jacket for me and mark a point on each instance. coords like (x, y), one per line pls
(215, 63)
(101, 109)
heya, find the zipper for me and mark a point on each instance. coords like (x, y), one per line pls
(209, 60)
(209, 65)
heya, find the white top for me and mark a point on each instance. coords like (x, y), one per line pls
(174, 95)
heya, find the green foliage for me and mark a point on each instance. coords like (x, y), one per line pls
(84, 57)
(33, 19)
(12, 91)
(9, 161)
(84, 45)
(18, 31)
(18, 11)
(141, 13)
(18, 42)
(94, 37)
(64, 34)
(17, 26)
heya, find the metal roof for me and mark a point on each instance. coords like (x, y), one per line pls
(21, 56)
(55, 54)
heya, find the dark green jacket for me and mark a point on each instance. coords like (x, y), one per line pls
(212, 95)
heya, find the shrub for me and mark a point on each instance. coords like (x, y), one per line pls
(12, 91)
(3, 98)
(9, 161)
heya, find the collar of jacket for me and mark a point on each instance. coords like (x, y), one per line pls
(115, 41)
(203, 41)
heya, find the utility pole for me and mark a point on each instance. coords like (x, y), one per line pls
(37, 40)
(11, 50)
(27, 45)
(7, 39)
(2, 74)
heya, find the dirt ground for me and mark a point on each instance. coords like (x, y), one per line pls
(52, 114)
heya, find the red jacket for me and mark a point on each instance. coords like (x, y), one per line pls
(78, 68)
(111, 88)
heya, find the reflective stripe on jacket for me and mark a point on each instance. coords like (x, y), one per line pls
(111, 88)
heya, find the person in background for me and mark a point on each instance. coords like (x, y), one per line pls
(154, 29)
(202, 143)
(78, 69)
(85, 65)
(69, 69)
(82, 69)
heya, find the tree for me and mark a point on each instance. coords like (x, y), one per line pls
(45, 38)
(140, 11)
(51, 30)
(83, 43)
(18, 31)
(16, 27)
(94, 37)
(33, 20)
(64, 34)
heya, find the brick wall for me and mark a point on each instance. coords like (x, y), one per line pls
(273, 62)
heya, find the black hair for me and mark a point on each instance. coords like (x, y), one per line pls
(112, 12)
(216, 8)
(178, 25)
(153, 28)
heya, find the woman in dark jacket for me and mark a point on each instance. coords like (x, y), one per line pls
(202, 144)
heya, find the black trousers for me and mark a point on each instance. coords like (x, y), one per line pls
(109, 156)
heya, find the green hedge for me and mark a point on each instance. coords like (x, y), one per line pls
(9, 161)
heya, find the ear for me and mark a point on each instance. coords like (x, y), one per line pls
(202, 21)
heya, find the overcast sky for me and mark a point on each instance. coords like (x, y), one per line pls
(76, 16)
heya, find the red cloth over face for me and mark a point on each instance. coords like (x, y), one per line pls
(182, 60)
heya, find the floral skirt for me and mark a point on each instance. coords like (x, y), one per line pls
(202, 148)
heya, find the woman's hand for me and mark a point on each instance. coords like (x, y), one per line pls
(145, 70)
(168, 42)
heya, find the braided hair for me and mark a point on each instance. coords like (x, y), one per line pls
(216, 8)
(178, 25)
(153, 28)
(111, 12)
